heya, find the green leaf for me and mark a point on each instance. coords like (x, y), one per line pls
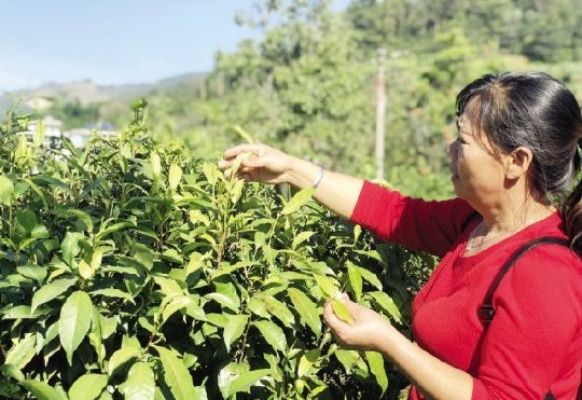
(140, 383)
(176, 375)
(82, 216)
(26, 220)
(156, 164)
(279, 310)
(387, 304)
(113, 228)
(70, 246)
(246, 380)
(175, 304)
(298, 200)
(6, 191)
(243, 134)
(43, 391)
(22, 352)
(370, 278)
(174, 176)
(35, 272)
(376, 363)
(355, 279)
(88, 387)
(120, 357)
(341, 311)
(50, 291)
(273, 334)
(327, 285)
(74, 322)
(234, 328)
(300, 238)
(307, 361)
(168, 286)
(348, 358)
(306, 309)
(144, 255)
(211, 172)
(113, 293)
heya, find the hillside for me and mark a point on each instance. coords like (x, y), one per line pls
(87, 92)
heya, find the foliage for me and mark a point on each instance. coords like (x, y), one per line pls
(134, 270)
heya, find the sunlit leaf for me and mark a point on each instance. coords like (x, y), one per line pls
(307, 361)
(22, 352)
(306, 309)
(176, 374)
(174, 176)
(6, 191)
(355, 279)
(298, 200)
(120, 357)
(273, 334)
(74, 322)
(140, 383)
(42, 391)
(387, 304)
(234, 328)
(88, 387)
(376, 363)
(51, 291)
(341, 311)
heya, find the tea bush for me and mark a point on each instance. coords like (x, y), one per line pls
(130, 270)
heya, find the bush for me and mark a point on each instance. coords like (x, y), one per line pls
(133, 271)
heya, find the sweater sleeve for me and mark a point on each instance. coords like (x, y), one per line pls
(431, 226)
(538, 318)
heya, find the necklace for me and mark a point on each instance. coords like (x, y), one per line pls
(478, 231)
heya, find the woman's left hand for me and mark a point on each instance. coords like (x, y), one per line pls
(365, 333)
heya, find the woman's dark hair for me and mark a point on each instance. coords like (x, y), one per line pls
(536, 111)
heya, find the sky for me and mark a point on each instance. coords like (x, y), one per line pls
(115, 41)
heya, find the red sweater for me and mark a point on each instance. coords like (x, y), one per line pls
(534, 343)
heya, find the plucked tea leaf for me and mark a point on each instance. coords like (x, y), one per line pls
(327, 286)
(341, 311)
(243, 134)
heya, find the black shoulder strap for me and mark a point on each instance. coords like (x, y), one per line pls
(486, 310)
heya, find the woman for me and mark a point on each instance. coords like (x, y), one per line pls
(514, 159)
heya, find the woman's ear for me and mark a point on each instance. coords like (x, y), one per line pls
(518, 162)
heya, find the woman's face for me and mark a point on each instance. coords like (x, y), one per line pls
(477, 172)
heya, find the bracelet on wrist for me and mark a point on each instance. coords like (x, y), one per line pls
(318, 178)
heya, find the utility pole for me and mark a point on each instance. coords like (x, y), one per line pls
(380, 112)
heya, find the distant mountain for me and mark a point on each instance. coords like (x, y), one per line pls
(87, 92)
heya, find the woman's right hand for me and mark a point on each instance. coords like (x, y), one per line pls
(262, 164)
